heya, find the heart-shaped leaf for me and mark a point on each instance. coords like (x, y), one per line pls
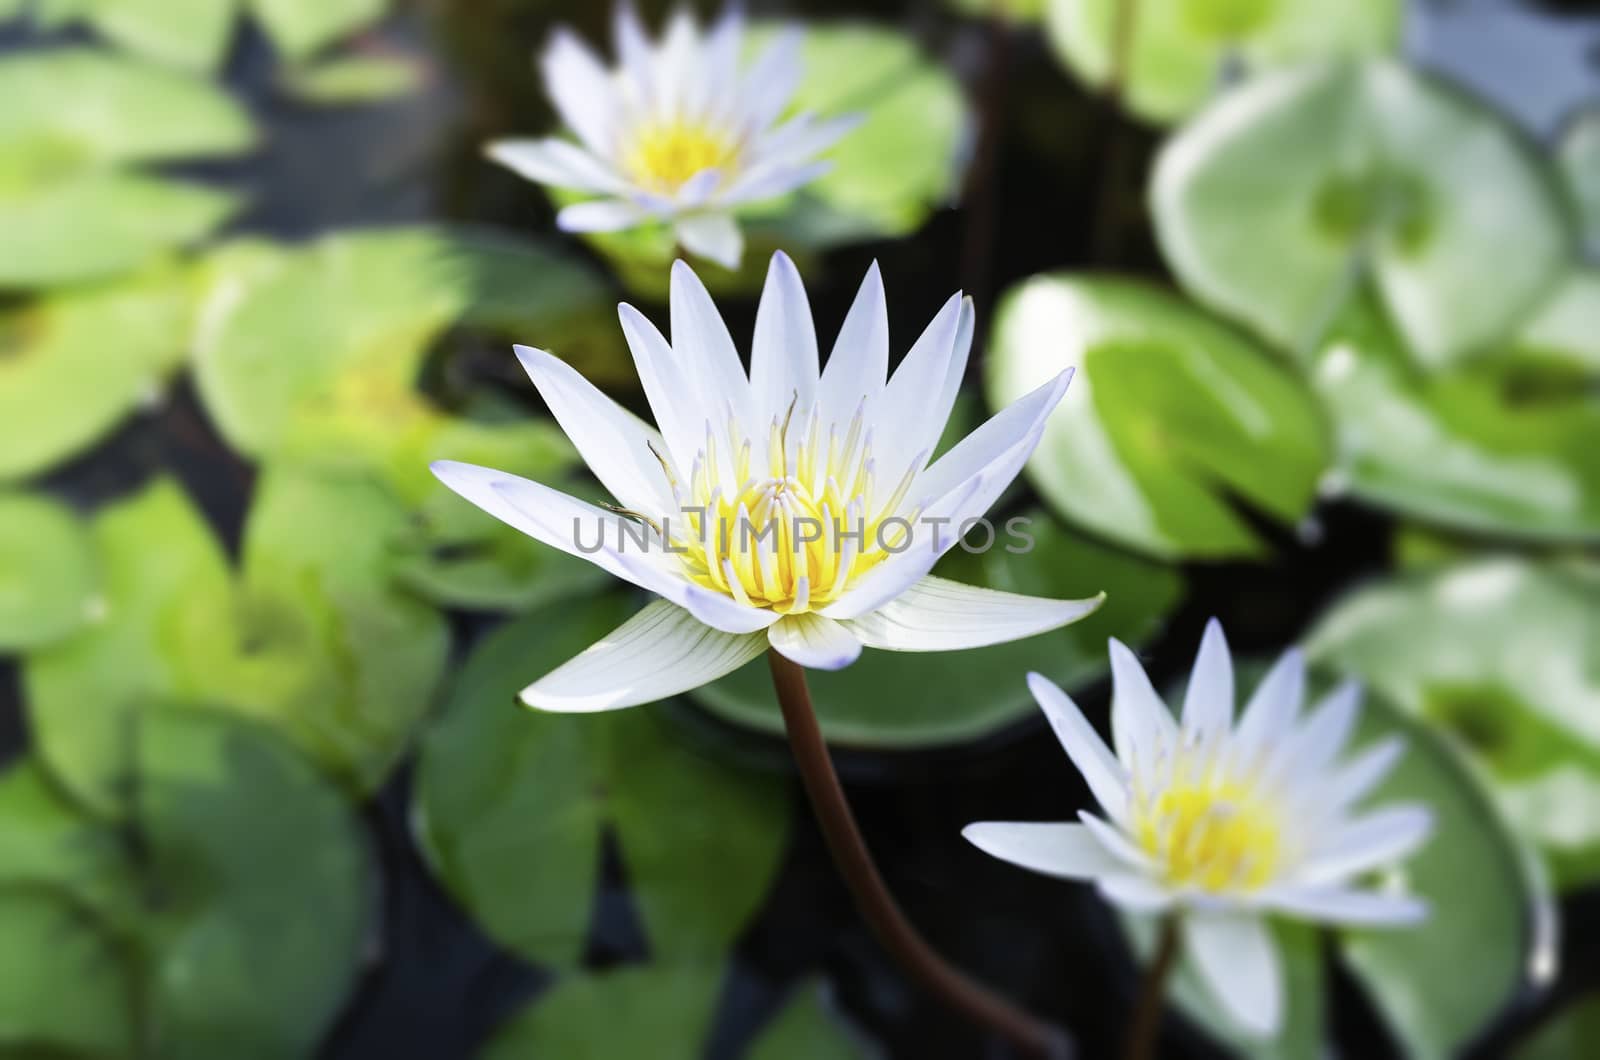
(1169, 415)
(49, 576)
(512, 807)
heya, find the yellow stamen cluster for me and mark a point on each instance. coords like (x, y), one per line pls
(663, 155)
(795, 532)
(1210, 831)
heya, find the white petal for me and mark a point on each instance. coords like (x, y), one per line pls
(1124, 849)
(702, 345)
(1335, 905)
(940, 615)
(814, 640)
(681, 418)
(1134, 892)
(1321, 738)
(1064, 850)
(633, 49)
(1357, 777)
(1238, 960)
(770, 81)
(1101, 771)
(769, 182)
(1142, 727)
(582, 89)
(713, 236)
(558, 163)
(1377, 839)
(1208, 703)
(859, 363)
(612, 441)
(697, 189)
(720, 62)
(798, 139)
(1269, 716)
(660, 652)
(679, 87)
(600, 215)
(985, 447)
(783, 354)
(907, 419)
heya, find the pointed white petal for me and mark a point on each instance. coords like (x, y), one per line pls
(660, 652)
(815, 641)
(667, 387)
(859, 363)
(783, 354)
(1356, 778)
(1117, 843)
(1239, 962)
(1377, 839)
(1136, 893)
(702, 345)
(907, 416)
(679, 88)
(1269, 716)
(581, 88)
(600, 215)
(1101, 771)
(1334, 905)
(633, 49)
(940, 615)
(1314, 746)
(697, 189)
(558, 163)
(1142, 727)
(713, 236)
(612, 441)
(985, 448)
(771, 181)
(798, 139)
(770, 81)
(1208, 703)
(1064, 850)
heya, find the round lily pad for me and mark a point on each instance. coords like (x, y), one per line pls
(512, 806)
(65, 981)
(1170, 417)
(59, 391)
(1179, 49)
(49, 580)
(1269, 202)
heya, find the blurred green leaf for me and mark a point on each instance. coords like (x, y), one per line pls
(1169, 415)
(1563, 333)
(1501, 654)
(354, 79)
(1274, 200)
(65, 985)
(74, 119)
(1020, 12)
(1479, 448)
(669, 1013)
(300, 28)
(49, 578)
(60, 392)
(1578, 155)
(1180, 49)
(512, 806)
(909, 699)
(1570, 1035)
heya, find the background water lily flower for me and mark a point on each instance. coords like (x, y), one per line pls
(679, 131)
(792, 507)
(1225, 823)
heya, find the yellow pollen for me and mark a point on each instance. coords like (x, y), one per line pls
(663, 155)
(1212, 833)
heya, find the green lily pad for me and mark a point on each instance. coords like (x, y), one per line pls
(236, 896)
(75, 120)
(49, 579)
(900, 700)
(355, 79)
(1562, 334)
(670, 1010)
(1501, 654)
(1570, 1035)
(512, 806)
(1579, 158)
(1180, 49)
(309, 639)
(1478, 449)
(1272, 200)
(1169, 414)
(59, 391)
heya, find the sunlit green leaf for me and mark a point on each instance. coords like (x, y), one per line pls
(1501, 654)
(1271, 202)
(1169, 416)
(1481, 448)
(1021, 12)
(65, 986)
(49, 578)
(1562, 333)
(354, 79)
(302, 27)
(190, 34)
(512, 806)
(909, 699)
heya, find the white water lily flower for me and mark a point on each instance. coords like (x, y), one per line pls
(794, 508)
(1225, 822)
(677, 132)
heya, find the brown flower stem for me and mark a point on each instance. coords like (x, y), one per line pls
(873, 900)
(1146, 1024)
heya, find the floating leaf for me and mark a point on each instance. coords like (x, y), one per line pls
(1501, 654)
(669, 1009)
(300, 28)
(1180, 49)
(49, 580)
(1563, 333)
(1272, 200)
(59, 390)
(909, 699)
(355, 79)
(512, 806)
(1579, 158)
(65, 988)
(1474, 449)
(1169, 415)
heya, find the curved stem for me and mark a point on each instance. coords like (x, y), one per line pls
(1146, 1025)
(873, 900)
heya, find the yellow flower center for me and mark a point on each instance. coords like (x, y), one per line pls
(1215, 834)
(665, 154)
(796, 536)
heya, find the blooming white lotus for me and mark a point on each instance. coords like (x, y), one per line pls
(1226, 822)
(677, 132)
(792, 508)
